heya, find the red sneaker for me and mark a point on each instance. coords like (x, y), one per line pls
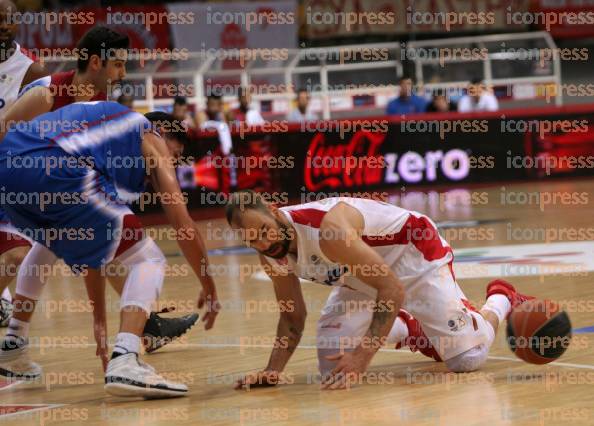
(508, 290)
(416, 340)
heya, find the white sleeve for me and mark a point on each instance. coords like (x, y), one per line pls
(253, 118)
(464, 104)
(491, 103)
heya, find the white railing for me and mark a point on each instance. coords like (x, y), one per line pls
(322, 62)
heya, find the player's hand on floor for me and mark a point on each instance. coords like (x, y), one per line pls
(259, 379)
(350, 367)
(209, 298)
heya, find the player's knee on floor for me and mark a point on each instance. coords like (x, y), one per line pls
(468, 361)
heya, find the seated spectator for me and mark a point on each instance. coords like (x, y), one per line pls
(440, 102)
(213, 119)
(213, 111)
(478, 98)
(302, 112)
(406, 102)
(245, 113)
(180, 111)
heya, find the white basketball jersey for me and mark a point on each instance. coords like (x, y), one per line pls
(407, 241)
(12, 72)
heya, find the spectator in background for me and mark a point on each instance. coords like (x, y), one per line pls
(126, 100)
(213, 111)
(213, 119)
(302, 112)
(180, 111)
(440, 102)
(245, 114)
(478, 98)
(406, 102)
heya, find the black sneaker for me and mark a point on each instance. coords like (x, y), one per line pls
(160, 331)
(5, 312)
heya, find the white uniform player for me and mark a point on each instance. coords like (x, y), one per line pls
(392, 280)
(12, 73)
(411, 246)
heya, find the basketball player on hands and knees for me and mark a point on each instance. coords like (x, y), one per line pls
(392, 281)
(17, 69)
(115, 133)
(93, 78)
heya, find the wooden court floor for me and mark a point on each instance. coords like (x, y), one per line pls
(410, 389)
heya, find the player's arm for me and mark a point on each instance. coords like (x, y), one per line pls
(95, 283)
(36, 101)
(189, 239)
(341, 242)
(288, 332)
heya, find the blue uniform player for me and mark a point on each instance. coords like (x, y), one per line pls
(90, 81)
(67, 179)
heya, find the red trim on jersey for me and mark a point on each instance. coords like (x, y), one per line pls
(468, 305)
(417, 230)
(60, 86)
(132, 232)
(9, 241)
(309, 217)
(28, 54)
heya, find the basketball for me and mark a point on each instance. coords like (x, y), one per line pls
(538, 332)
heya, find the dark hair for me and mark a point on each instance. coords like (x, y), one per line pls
(123, 98)
(214, 96)
(100, 41)
(174, 128)
(180, 100)
(476, 80)
(302, 90)
(241, 201)
(405, 77)
(440, 92)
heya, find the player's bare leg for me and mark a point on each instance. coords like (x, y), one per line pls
(9, 264)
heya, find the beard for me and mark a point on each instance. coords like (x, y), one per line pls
(279, 249)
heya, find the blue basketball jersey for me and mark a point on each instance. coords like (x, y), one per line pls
(85, 163)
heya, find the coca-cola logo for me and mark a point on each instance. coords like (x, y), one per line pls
(359, 164)
(356, 164)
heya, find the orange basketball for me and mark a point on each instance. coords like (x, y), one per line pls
(538, 332)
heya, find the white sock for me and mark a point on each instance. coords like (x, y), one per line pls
(18, 328)
(126, 343)
(6, 295)
(499, 305)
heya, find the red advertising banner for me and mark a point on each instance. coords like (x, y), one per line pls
(564, 18)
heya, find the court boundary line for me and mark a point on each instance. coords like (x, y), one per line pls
(40, 407)
(310, 347)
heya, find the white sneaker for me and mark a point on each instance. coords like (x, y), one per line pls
(127, 376)
(16, 364)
